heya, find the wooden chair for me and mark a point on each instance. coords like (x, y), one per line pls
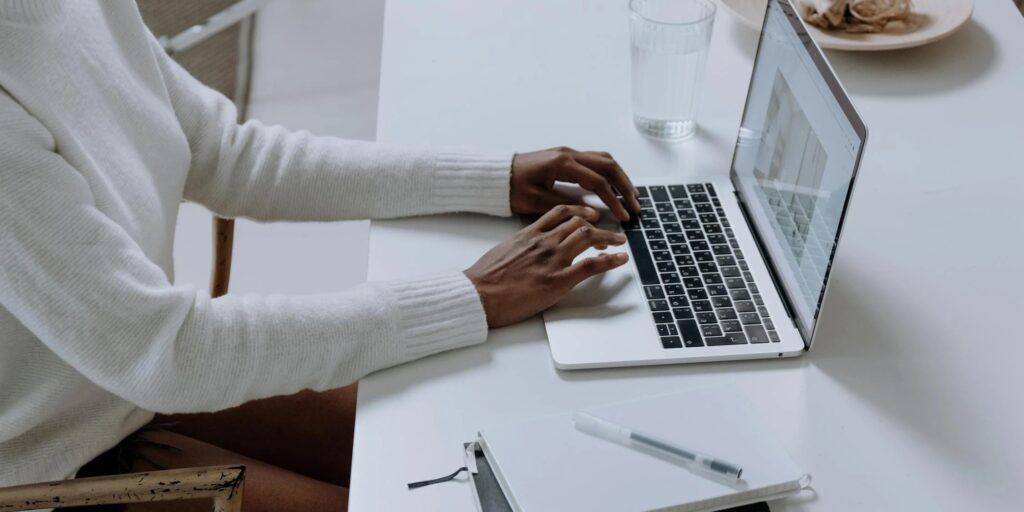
(213, 41)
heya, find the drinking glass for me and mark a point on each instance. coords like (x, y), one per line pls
(669, 41)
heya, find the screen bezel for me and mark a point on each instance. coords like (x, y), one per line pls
(839, 93)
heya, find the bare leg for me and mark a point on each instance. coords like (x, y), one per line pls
(309, 433)
(267, 487)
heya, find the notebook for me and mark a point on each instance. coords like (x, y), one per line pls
(547, 464)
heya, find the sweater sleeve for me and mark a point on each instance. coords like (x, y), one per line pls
(81, 284)
(270, 173)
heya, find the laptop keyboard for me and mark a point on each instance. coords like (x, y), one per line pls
(696, 281)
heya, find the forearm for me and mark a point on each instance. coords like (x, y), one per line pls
(269, 173)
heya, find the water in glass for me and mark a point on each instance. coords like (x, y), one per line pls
(670, 40)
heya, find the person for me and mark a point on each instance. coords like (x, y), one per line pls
(101, 136)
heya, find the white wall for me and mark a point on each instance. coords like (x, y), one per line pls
(316, 67)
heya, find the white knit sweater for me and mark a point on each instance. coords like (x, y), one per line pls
(101, 137)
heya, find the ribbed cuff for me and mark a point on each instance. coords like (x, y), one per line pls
(472, 182)
(438, 313)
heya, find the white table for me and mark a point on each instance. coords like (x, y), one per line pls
(911, 400)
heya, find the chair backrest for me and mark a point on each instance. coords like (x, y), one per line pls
(224, 62)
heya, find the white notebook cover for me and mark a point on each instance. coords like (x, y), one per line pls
(546, 464)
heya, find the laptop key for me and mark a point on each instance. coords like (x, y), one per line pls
(690, 224)
(664, 208)
(687, 213)
(645, 202)
(710, 330)
(642, 192)
(671, 342)
(726, 313)
(768, 324)
(700, 198)
(698, 294)
(642, 258)
(667, 330)
(701, 306)
(654, 292)
(662, 317)
(647, 213)
(756, 333)
(690, 333)
(712, 228)
(674, 289)
(753, 288)
(703, 256)
(658, 245)
(659, 194)
(739, 294)
(749, 318)
(666, 266)
(774, 336)
(716, 238)
(734, 282)
(693, 282)
(707, 267)
(650, 223)
(704, 208)
(660, 256)
(682, 313)
(758, 300)
(677, 191)
(654, 234)
(748, 276)
(712, 279)
(684, 260)
(680, 249)
(699, 245)
(711, 189)
(721, 302)
(672, 228)
(708, 218)
(706, 318)
(763, 311)
(744, 306)
(670, 278)
(716, 289)
(677, 301)
(682, 204)
(695, 188)
(668, 217)
(688, 271)
(726, 261)
(731, 326)
(694, 235)
(658, 305)
(676, 238)
(721, 250)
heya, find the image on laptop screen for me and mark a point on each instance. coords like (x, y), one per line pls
(795, 160)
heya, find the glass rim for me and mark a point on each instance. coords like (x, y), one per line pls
(711, 14)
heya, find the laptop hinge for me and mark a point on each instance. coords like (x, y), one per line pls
(764, 256)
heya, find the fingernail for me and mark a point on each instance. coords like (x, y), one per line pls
(621, 257)
(620, 238)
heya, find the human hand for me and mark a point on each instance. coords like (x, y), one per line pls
(534, 269)
(534, 175)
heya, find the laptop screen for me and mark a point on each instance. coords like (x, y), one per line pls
(796, 156)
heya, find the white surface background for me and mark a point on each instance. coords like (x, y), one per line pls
(910, 400)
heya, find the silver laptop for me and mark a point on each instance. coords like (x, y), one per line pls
(734, 267)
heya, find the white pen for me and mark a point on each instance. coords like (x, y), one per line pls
(625, 436)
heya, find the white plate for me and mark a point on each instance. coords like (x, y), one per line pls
(942, 18)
